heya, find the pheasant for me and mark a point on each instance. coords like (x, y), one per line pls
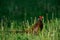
(35, 28)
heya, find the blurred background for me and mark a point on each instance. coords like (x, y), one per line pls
(25, 9)
(18, 15)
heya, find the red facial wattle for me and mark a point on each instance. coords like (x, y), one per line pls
(40, 17)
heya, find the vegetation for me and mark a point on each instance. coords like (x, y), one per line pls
(14, 15)
(51, 31)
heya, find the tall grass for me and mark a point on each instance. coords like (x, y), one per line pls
(51, 30)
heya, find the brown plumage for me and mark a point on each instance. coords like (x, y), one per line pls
(37, 26)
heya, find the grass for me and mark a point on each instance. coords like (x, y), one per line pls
(51, 30)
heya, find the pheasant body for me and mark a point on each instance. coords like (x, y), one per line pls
(35, 28)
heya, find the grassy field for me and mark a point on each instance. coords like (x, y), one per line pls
(51, 30)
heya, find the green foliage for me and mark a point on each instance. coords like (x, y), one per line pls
(51, 31)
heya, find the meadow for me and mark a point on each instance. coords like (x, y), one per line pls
(51, 30)
(15, 15)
